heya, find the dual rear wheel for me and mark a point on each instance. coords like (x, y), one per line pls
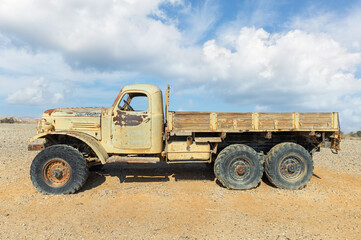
(238, 166)
(287, 166)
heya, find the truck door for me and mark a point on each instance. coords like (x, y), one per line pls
(132, 122)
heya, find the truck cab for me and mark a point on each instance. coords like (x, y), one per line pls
(137, 121)
(134, 124)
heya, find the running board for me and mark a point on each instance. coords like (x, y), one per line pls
(188, 161)
(115, 159)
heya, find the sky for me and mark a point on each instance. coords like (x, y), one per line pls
(230, 56)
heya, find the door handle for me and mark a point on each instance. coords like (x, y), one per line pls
(147, 120)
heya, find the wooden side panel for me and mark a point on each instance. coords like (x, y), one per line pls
(258, 122)
(315, 120)
(234, 121)
(187, 121)
(275, 121)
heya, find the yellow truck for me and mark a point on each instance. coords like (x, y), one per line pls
(138, 129)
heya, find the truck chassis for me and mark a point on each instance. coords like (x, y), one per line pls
(242, 146)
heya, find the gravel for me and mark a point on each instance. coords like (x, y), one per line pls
(177, 201)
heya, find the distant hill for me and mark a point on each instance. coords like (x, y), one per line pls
(353, 135)
(17, 120)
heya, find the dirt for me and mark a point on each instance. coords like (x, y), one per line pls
(177, 201)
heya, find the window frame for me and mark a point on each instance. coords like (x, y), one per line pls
(148, 110)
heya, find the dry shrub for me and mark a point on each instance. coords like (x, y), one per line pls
(9, 120)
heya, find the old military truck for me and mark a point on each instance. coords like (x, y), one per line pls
(137, 129)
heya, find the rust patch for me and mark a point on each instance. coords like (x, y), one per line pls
(35, 147)
(124, 119)
(50, 111)
(56, 172)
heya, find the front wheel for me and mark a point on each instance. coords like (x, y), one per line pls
(59, 169)
(238, 166)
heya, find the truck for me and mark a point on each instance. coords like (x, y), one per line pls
(241, 146)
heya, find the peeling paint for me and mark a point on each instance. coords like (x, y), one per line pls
(50, 111)
(124, 119)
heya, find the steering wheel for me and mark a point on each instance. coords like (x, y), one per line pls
(128, 105)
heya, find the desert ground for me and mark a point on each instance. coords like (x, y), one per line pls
(160, 201)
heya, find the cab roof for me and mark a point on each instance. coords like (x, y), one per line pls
(143, 87)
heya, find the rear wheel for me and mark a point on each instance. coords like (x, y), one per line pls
(289, 166)
(59, 169)
(238, 167)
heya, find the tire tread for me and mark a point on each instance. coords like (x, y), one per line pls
(222, 157)
(61, 149)
(269, 160)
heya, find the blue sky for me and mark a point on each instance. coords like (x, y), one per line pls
(216, 55)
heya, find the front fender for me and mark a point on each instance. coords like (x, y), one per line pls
(87, 139)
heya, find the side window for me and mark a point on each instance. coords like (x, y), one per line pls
(134, 102)
(140, 103)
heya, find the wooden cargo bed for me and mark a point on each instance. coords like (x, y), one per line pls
(252, 122)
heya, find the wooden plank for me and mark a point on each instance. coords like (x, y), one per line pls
(244, 124)
(235, 121)
(315, 114)
(191, 127)
(234, 115)
(275, 116)
(274, 121)
(192, 115)
(195, 121)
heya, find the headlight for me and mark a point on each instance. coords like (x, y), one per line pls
(47, 126)
(44, 126)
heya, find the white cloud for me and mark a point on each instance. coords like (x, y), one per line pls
(295, 61)
(293, 71)
(344, 28)
(199, 19)
(19, 66)
(98, 34)
(310, 69)
(260, 108)
(36, 94)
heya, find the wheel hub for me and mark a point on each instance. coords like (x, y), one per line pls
(240, 169)
(291, 168)
(56, 172)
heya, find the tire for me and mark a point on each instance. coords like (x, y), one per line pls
(289, 166)
(59, 169)
(238, 167)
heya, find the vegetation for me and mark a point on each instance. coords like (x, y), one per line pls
(355, 134)
(9, 120)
